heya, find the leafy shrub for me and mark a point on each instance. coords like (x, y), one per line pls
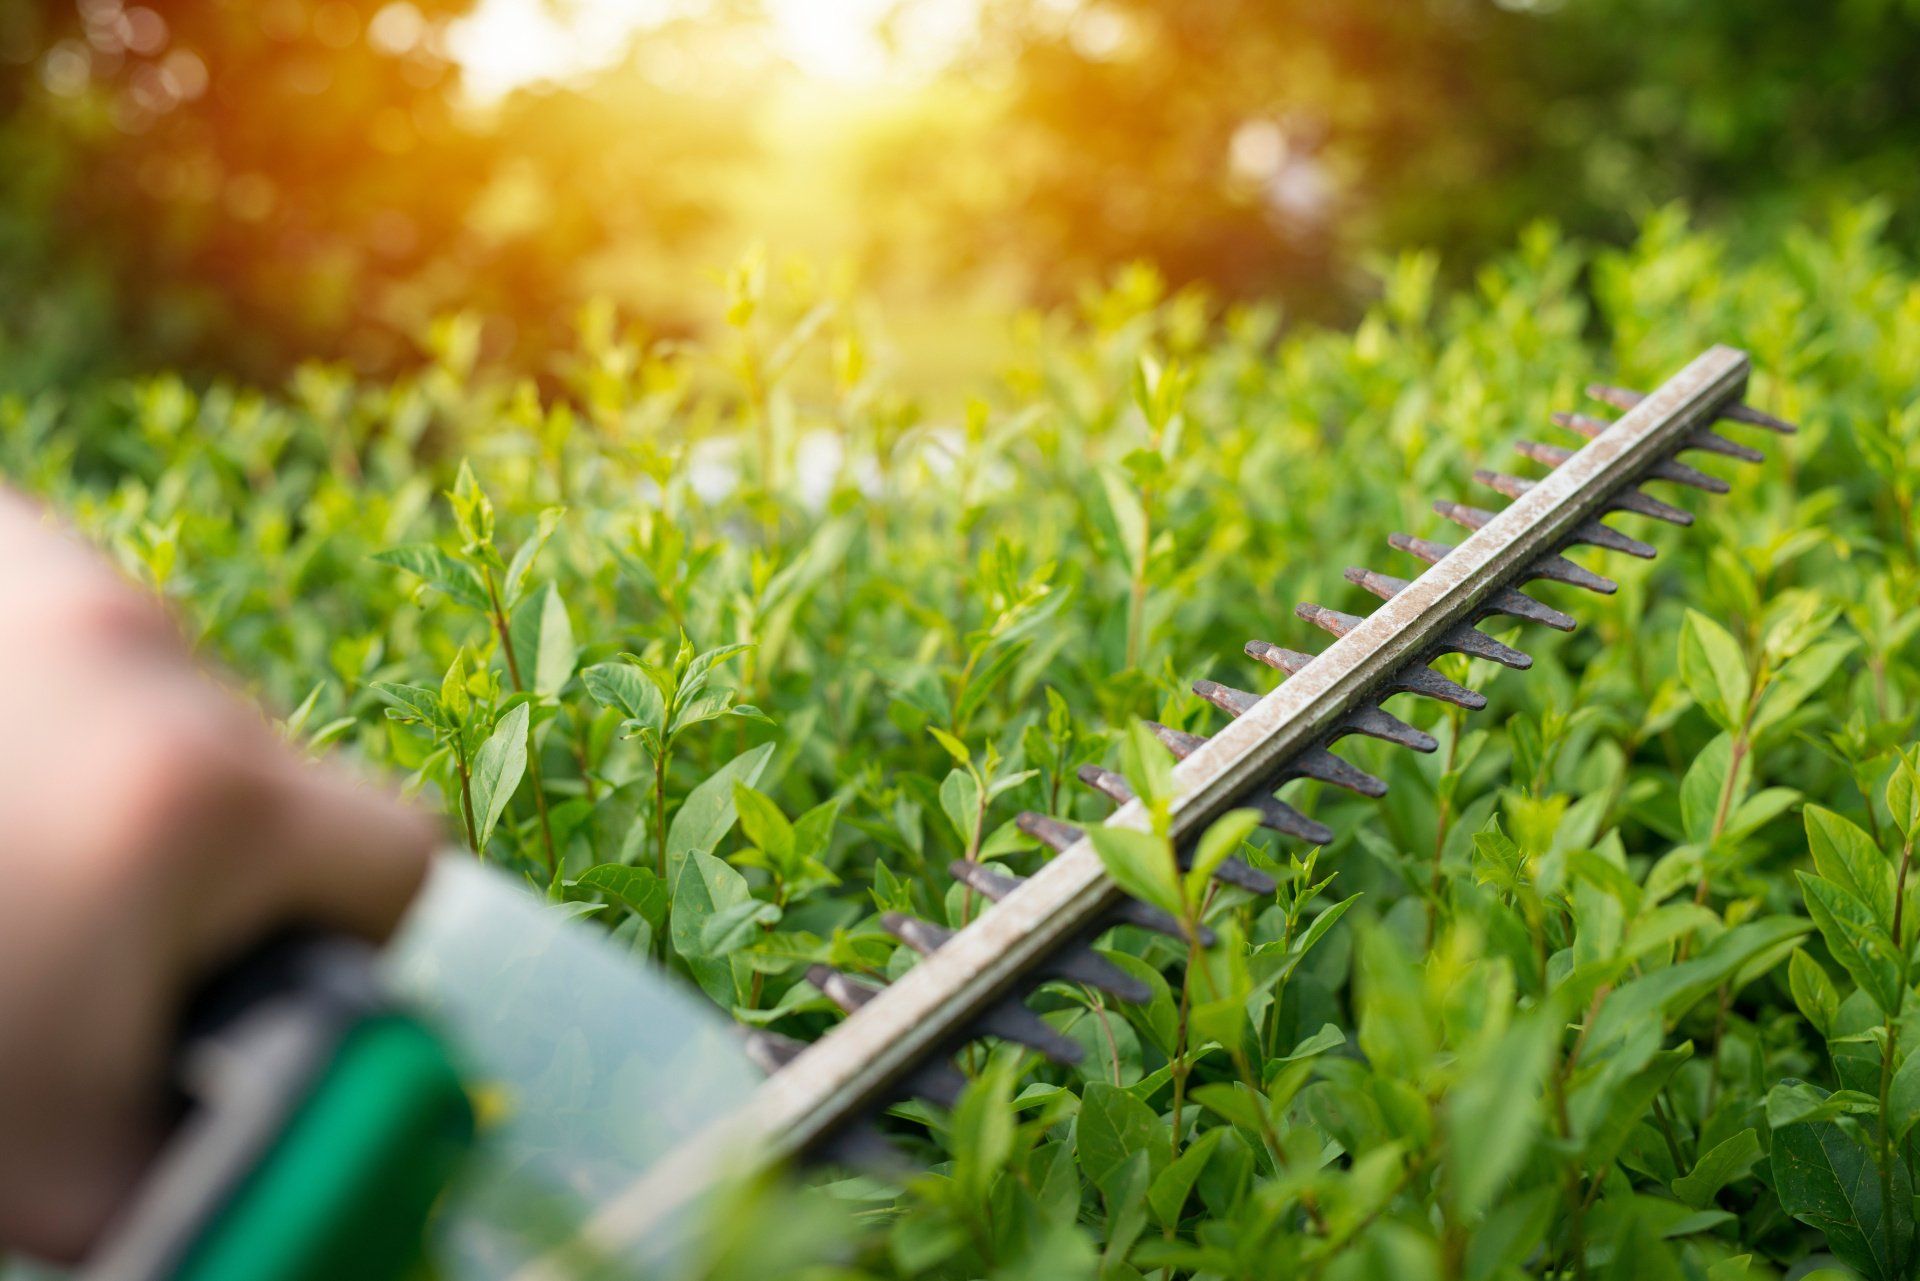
(733, 649)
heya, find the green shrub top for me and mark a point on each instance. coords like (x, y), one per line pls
(731, 649)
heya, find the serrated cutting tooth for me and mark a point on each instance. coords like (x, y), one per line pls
(1318, 763)
(1234, 871)
(1586, 424)
(1234, 702)
(1591, 532)
(1520, 605)
(1503, 600)
(1627, 500)
(1558, 569)
(1050, 832)
(1605, 537)
(770, 1051)
(1385, 586)
(996, 885)
(1632, 500)
(1712, 442)
(1278, 816)
(1075, 964)
(1412, 679)
(1289, 661)
(1424, 548)
(1424, 680)
(1679, 473)
(1106, 782)
(1011, 1020)
(1554, 569)
(1626, 398)
(1178, 741)
(989, 882)
(1376, 723)
(843, 990)
(1327, 620)
(1475, 643)
(1546, 455)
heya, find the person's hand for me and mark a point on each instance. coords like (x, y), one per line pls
(152, 826)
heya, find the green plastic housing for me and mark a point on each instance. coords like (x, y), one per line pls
(348, 1186)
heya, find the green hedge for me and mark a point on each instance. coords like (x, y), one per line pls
(1578, 960)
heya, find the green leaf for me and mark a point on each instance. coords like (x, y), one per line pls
(764, 824)
(1167, 1195)
(1112, 1126)
(554, 652)
(627, 690)
(547, 522)
(1215, 846)
(1232, 1101)
(1714, 670)
(731, 928)
(1729, 1159)
(708, 812)
(1798, 679)
(411, 703)
(960, 802)
(1856, 939)
(640, 889)
(497, 769)
(1129, 518)
(1847, 856)
(1903, 1097)
(1704, 786)
(1813, 991)
(1903, 793)
(703, 888)
(1824, 1175)
(1147, 765)
(1141, 864)
(1495, 1111)
(439, 570)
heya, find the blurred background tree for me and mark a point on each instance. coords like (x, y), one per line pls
(231, 185)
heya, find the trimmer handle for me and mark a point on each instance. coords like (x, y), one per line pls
(319, 1125)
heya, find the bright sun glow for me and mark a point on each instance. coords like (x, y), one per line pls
(505, 44)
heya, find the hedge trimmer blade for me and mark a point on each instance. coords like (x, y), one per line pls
(897, 1039)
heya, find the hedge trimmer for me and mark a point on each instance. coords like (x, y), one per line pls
(897, 1041)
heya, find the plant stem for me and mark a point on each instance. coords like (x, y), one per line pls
(533, 748)
(1443, 825)
(1180, 1067)
(466, 797)
(660, 811)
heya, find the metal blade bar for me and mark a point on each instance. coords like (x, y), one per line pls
(850, 1069)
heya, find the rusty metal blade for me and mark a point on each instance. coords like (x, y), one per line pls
(1375, 722)
(1711, 442)
(1050, 832)
(1320, 764)
(1234, 702)
(1504, 600)
(1475, 643)
(1626, 398)
(1554, 569)
(1677, 472)
(1632, 500)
